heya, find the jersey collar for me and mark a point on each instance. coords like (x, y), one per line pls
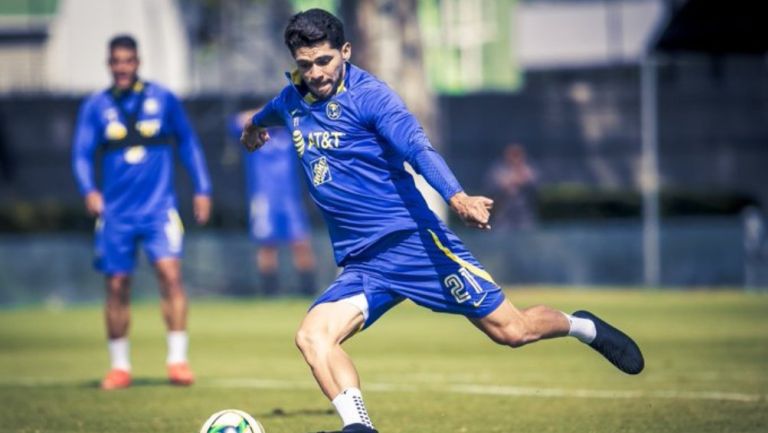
(137, 87)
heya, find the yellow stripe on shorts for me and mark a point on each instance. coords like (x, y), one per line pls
(175, 219)
(465, 264)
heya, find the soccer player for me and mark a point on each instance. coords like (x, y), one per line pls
(352, 135)
(276, 212)
(134, 124)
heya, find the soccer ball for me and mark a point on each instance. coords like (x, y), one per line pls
(231, 421)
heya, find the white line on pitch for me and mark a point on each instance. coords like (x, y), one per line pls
(473, 389)
(514, 391)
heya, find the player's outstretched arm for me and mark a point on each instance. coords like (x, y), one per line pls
(474, 210)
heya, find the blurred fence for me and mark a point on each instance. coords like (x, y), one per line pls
(705, 252)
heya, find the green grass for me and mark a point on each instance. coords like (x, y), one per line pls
(706, 371)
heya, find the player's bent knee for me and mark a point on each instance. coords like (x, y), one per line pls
(312, 342)
(118, 287)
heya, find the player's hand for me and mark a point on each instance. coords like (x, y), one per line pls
(474, 210)
(253, 137)
(201, 207)
(94, 203)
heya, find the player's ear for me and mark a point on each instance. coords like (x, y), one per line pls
(346, 51)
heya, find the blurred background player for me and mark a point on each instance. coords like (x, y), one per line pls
(353, 134)
(512, 183)
(275, 210)
(135, 123)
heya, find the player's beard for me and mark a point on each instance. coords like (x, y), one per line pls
(334, 85)
(130, 79)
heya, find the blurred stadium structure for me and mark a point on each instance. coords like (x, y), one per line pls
(645, 120)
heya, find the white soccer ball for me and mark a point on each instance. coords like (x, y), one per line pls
(231, 421)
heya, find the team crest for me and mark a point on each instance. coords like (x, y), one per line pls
(115, 130)
(110, 114)
(333, 110)
(321, 172)
(151, 106)
(134, 154)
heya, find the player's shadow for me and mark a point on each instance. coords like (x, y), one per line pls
(282, 413)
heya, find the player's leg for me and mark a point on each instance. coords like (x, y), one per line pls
(267, 263)
(304, 262)
(354, 301)
(117, 309)
(474, 294)
(163, 240)
(115, 252)
(513, 327)
(173, 299)
(117, 316)
(298, 233)
(173, 304)
(319, 339)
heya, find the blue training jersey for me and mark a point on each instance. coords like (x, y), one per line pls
(137, 176)
(352, 148)
(271, 172)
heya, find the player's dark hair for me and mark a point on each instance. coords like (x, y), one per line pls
(123, 41)
(313, 27)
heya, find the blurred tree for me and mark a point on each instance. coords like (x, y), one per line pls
(386, 41)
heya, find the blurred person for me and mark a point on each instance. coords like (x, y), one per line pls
(135, 123)
(512, 182)
(353, 134)
(275, 210)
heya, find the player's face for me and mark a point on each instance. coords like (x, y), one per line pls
(322, 67)
(124, 66)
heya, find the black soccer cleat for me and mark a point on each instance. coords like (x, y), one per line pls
(615, 345)
(358, 428)
(355, 428)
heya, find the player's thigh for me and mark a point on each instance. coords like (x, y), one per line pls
(168, 270)
(163, 236)
(364, 291)
(329, 323)
(115, 246)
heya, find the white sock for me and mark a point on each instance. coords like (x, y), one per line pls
(119, 353)
(349, 404)
(582, 329)
(178, 341)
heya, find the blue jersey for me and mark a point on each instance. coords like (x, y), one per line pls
(352, 148)
(276, 211)
(271, 172)
(137, 177)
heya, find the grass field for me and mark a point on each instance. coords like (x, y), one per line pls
(706, 370)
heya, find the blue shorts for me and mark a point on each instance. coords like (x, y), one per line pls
(273, 224)
(431, 267)
(117, 238)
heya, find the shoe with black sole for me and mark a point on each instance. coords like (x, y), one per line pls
(615, 345)
(354, 428)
